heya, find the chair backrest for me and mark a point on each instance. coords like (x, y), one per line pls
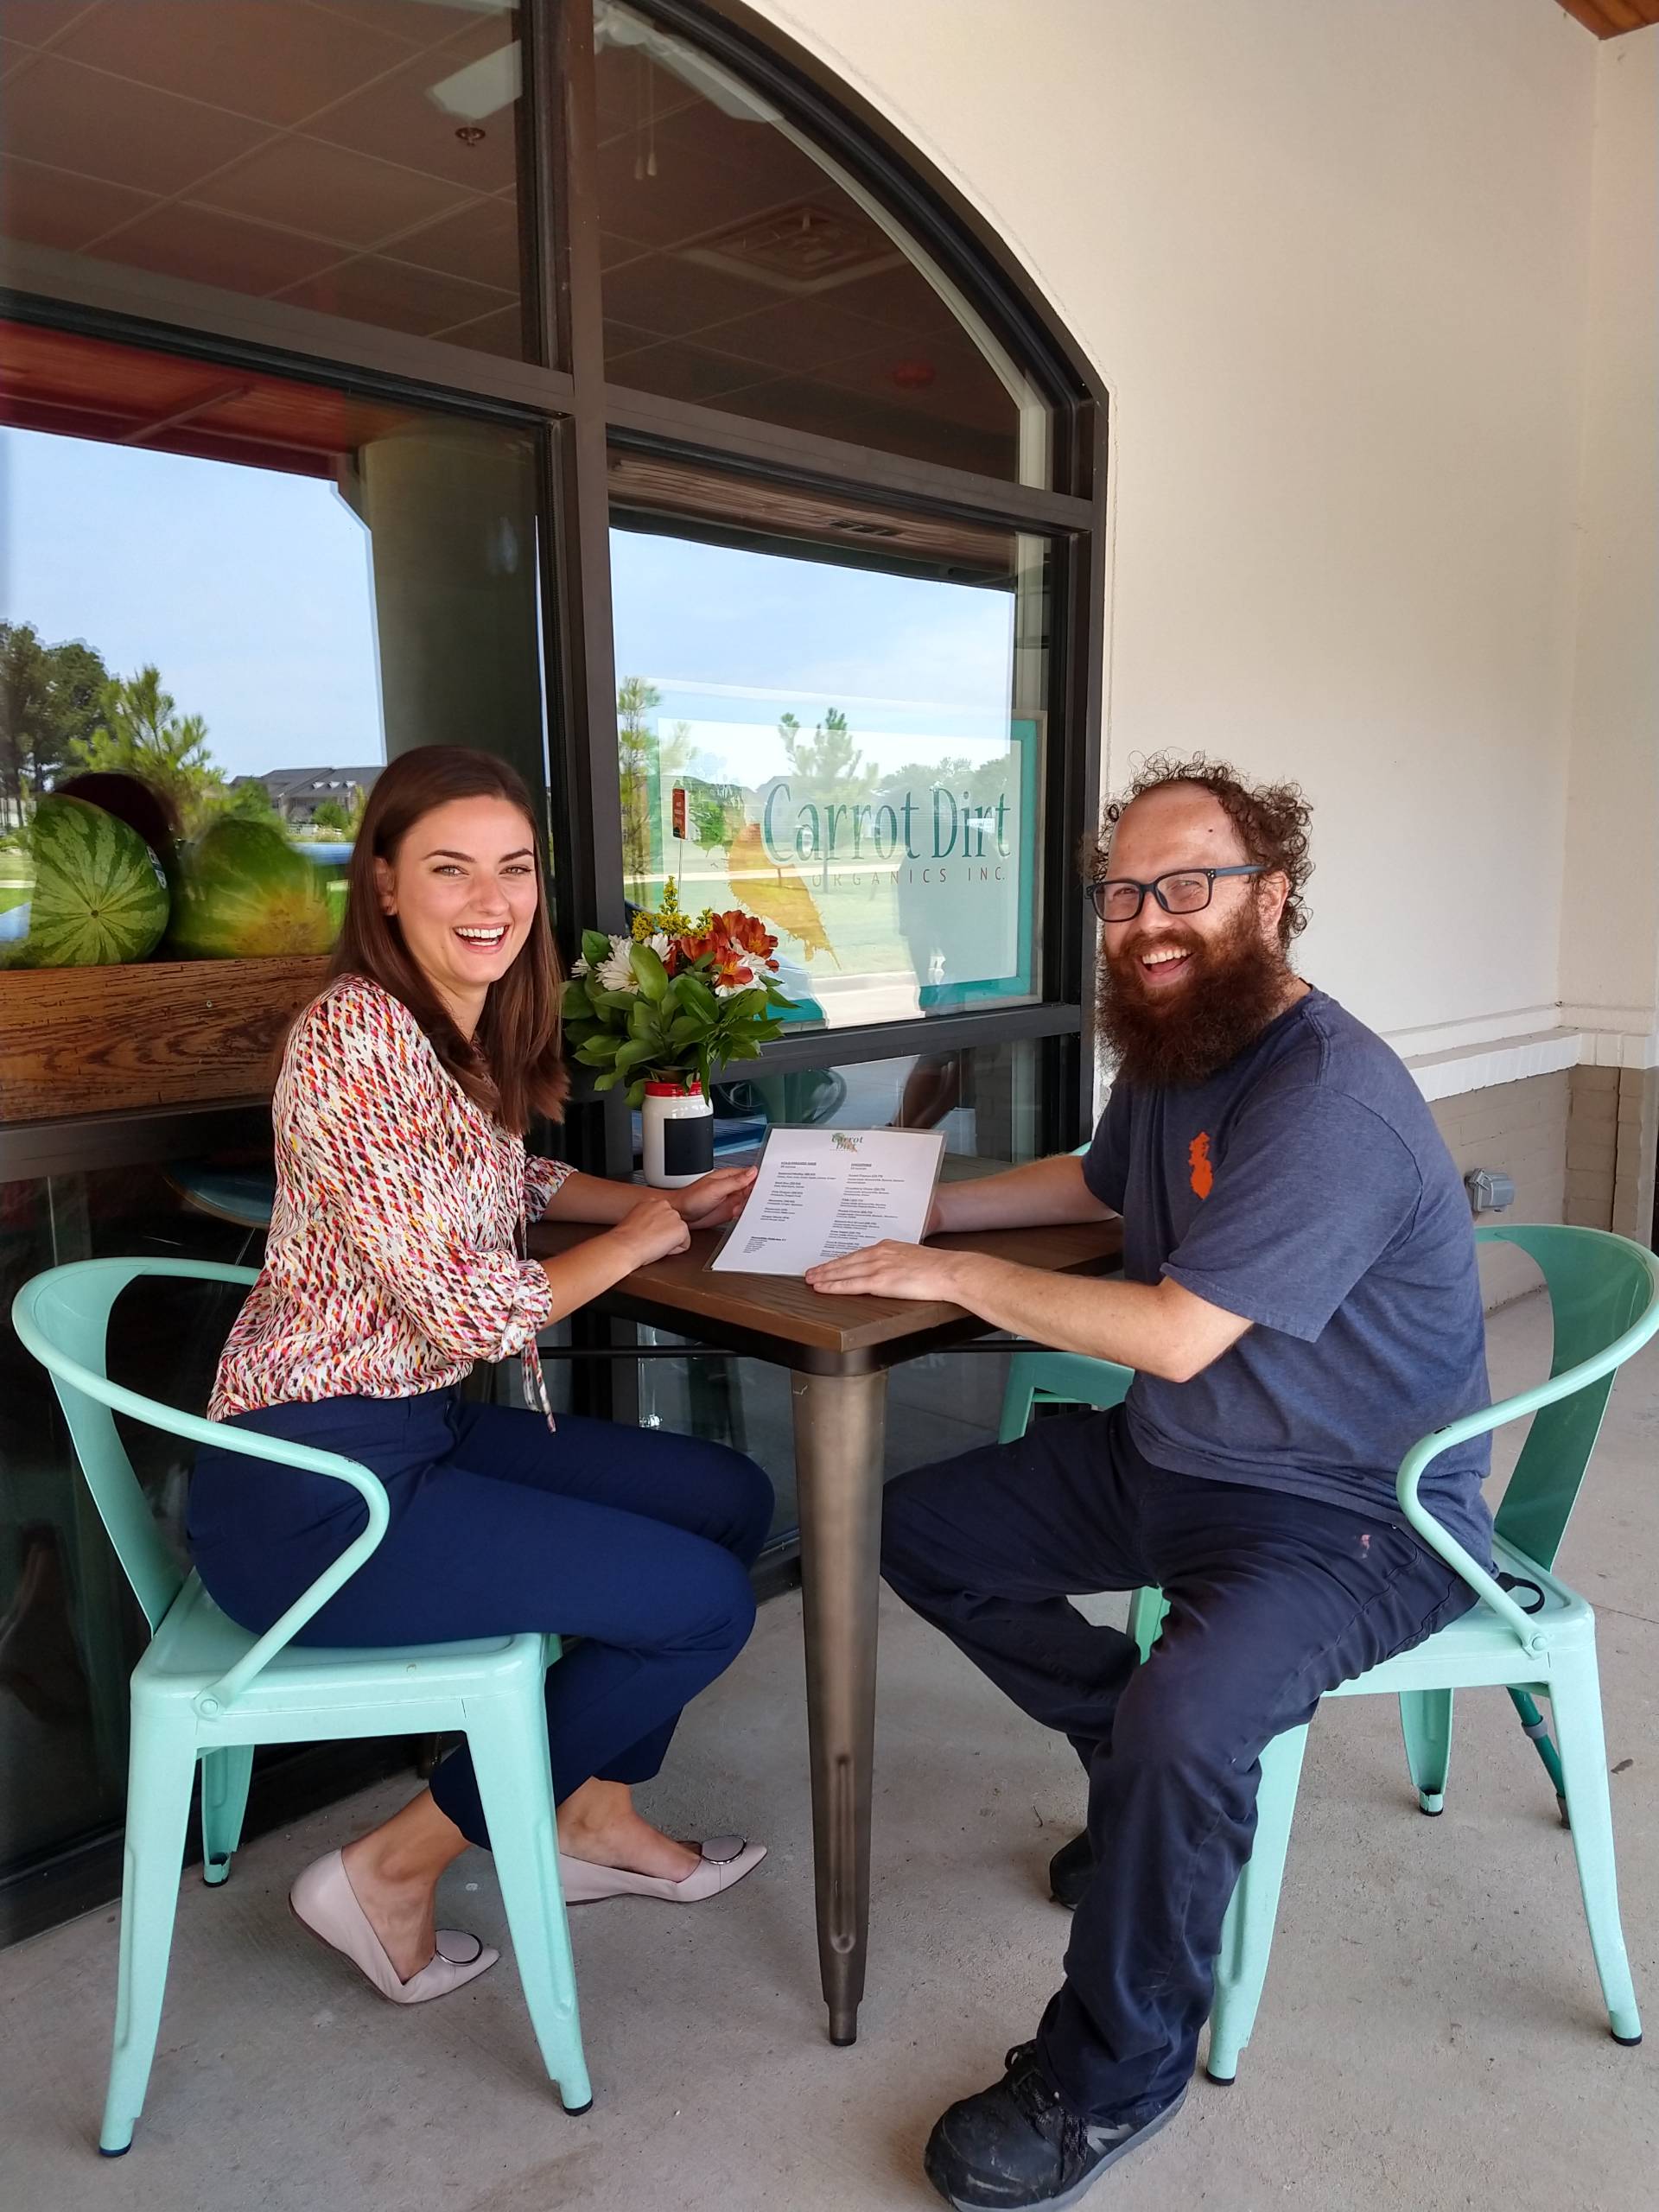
(1600, 1286)
(62, 1317)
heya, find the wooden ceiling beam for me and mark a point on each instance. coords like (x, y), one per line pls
(1613, 18)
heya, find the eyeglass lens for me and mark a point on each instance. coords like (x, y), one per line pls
(1180, 895)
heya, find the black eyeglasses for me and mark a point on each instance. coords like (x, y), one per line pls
(1187, 891)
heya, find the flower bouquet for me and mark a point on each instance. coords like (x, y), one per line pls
(668, 1003)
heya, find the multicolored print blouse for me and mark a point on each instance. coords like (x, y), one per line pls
(394, 1259)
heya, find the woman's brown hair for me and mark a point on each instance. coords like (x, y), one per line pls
(513, 1067)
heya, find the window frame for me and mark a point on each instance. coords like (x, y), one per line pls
(575, 413)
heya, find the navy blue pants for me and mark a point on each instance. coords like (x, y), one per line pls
(1274, 1600)
(636, 1541)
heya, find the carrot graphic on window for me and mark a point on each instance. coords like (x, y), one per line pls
(1198, 1158)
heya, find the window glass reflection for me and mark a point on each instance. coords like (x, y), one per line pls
(850, 746)
(745, 268)
(231, 599)
(361, 160)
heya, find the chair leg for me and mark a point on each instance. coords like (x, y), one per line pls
(1246, 1934)
(224, 1776)
(1425, 1723)
(1575, 1696)
(508, 1740)
(1537, 1729)
(160, 1771)
(1017, 1401)
(1146, 1611)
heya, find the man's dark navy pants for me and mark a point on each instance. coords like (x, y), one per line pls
(1274, 1600)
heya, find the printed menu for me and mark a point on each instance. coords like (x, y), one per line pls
(820, 1193)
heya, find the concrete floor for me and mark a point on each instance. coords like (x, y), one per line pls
(1430, 2034)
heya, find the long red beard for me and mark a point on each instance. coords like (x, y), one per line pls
(1236, 986)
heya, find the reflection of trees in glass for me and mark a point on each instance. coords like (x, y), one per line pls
(340, 818)
(644, 759)
(827, 767)
(48, 697)
(983, 782)
(140, 733)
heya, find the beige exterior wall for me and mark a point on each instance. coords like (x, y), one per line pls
(1522, 1128)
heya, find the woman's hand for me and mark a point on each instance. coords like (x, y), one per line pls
(712, 1198)
(652, 1230)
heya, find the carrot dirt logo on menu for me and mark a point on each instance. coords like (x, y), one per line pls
(1198, 1158)
(841, 1143)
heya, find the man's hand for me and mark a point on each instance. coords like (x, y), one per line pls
(712, 1198)
(889, 1270)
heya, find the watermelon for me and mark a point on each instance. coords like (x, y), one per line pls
(244, 891)
(97, 895)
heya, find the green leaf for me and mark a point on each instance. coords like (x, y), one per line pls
(614, 1002)
(636, 1094)
(687, 1029)
(643, 1021)
(654, 976)
(607, 1082)
(597, 1052)
(630, 1054)
(595, 947)
(742, 1048)
(698, 997)
(745, 1006)
(576, 1001)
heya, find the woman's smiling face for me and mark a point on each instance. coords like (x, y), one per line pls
(462, 884)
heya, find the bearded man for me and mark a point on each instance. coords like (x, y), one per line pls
(1299, 1303)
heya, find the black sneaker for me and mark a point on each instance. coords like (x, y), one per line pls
(1017, 2146)
(1070, 1871)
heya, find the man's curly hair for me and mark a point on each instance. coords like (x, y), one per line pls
(1272, 820)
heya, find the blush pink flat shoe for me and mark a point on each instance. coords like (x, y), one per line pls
(323, 1900)
(725, 1860)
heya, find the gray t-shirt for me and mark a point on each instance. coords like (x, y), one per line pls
(1306, 1188)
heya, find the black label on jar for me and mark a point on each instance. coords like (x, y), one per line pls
(689, 1145)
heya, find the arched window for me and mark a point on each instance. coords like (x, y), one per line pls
(596, 381)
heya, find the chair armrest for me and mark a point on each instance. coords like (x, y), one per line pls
(216, 1700)
(213, 1702)
(1429, 1448)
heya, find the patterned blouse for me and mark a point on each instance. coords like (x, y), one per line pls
(394, 1258)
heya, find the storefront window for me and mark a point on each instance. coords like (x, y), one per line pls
(834, 717)
(745, 268)
(360, 162)
(243, 596)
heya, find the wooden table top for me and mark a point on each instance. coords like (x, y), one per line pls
(778, 1319)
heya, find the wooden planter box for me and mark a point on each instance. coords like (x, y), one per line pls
(166, 1032)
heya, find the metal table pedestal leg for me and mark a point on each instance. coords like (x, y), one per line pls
(839, 1425)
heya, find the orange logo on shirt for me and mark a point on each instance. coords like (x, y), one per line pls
(1198, 1158)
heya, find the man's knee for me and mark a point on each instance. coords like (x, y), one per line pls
(1180, 1720)
(911, 1508)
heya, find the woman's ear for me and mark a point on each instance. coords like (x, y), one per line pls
(383, 883)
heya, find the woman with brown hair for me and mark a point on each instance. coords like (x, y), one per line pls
(396, 1260)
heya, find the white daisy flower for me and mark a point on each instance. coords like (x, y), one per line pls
(617, 974)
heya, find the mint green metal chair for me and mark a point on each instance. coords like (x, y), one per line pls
(1603, 1293)
(205, 1692)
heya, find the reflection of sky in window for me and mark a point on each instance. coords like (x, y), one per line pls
(734, 638)
(248, 588)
